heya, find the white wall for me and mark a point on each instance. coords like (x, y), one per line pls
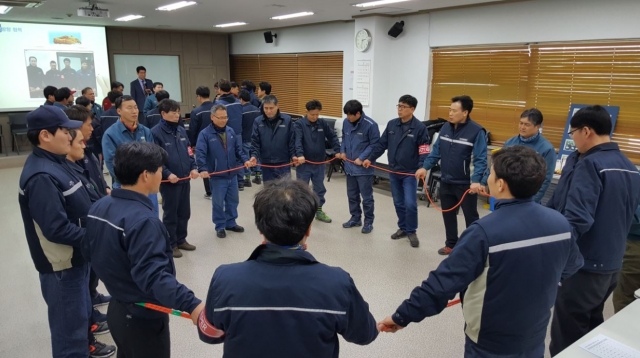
(336, 36)
(536, 21)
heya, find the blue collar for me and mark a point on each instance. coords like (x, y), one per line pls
(508, 202)
(529, 140)
(132, 195)
(39, 152)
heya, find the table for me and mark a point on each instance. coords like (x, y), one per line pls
(623, 327)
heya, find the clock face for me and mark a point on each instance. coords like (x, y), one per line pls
(363, 40)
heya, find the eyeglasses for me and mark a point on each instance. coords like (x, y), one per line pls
(225, 118)
(400, 106)
(570, 133)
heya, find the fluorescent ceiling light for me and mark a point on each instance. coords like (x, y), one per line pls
(4, 9)
(378, 3)
(129, 18)
(176, 6)
(290, 16)
(232, 24)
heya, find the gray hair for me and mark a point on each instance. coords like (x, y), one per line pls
(217, 107)
(271, 99)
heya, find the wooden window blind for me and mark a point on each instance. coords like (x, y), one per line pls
(496, 79)
(503, 81)
(605, 74)
(296, 78)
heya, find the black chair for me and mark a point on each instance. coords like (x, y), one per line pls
(18, 125)
(336, 165)
(4, 143)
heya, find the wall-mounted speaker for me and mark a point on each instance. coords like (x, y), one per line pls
(396, 29)
(268, 37)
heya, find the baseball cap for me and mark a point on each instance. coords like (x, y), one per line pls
(49, 117)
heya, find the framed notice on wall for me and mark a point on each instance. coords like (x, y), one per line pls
(567, 145)
(363, 81)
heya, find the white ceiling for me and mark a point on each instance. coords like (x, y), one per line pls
(207, 13)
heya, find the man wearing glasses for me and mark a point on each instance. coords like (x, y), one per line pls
(459, 139)
(598, 194)
(407, 140)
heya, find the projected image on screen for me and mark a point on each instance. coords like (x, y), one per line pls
(38, 55)
(64, 69)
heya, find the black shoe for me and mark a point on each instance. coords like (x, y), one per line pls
(98, 316)
(100, 300)
(241, 187)
(351, 223)
(398, 235)
(236, 228)
(257, 180)
(100, 328)
(221, 234)
(413, 239)
(247, 183)
(100, 350)
(207, 196)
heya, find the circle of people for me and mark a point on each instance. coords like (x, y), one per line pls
(80, 227)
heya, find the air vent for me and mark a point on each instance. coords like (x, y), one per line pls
(21, 3)
(388, 10)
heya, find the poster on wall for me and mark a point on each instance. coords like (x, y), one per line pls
(567, 145)
(363, 81)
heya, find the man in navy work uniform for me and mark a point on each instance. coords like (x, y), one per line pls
(251, 88)
(249, 115)
(459, 139)
(220, 149)
(359, 134)
(176, 194)
(100, 125)
(201, 119)
(272, 141)
(125, 130)
(598, 193)
(305, 305)
(129, 249)
(407, 140)
(530, 136)
(507, 267)
(153, 117)
(54, 204)
(152, 102)
(234, 112)
(311, 135)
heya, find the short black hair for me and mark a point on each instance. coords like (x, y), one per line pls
(73, 133)
(266, 87)
(313, 104)
(83, 101)
(533, 115)
(168, 105)
(162, 94)
(245, 95)
(215, 85)
(78, 113)
(203, 92)
(50, 62)
(113, 96)
(85, 90)
(135, 158)
(465, 102)
(224, 85)
(522, 168)
(157, 84)
(121, 99)
(66, 60)
(34, 135)
(270, 99)
(140, 68)
(115, 85)
(49, 91)
(32, 57)
(250, 86)
(595, 117)
(284, 210)
(62, 93)
(352, 107)
(409, 100)
(233, 84)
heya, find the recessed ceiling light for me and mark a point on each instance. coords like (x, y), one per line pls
(291, 16)
(5, 9)
(378, 3)
(232, 24)
(176, 6)
(129, 18)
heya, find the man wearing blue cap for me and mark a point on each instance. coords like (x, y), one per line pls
(54, 204)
